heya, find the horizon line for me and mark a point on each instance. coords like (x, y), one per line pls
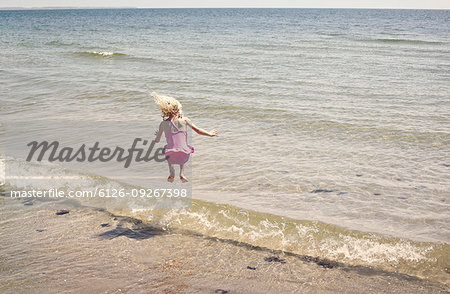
(131, 7)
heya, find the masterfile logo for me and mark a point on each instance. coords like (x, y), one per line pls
(53, 152)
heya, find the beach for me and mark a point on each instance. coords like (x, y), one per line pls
(92, 251)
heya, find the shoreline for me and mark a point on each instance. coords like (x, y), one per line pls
(94, 251)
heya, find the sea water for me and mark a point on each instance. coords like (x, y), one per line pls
(333, 124)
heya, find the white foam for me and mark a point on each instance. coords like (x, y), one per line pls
(349, 248)
(102, 53)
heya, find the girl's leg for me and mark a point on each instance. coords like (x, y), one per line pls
(172, 173)
(182, 177)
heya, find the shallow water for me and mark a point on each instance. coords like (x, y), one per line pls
(337, 116)
(92, 251)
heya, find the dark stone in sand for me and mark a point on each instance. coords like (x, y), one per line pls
(342, 193)
(274, 259)
(104, 225)
(322, 191)
(359, 175)
(325, 264)
(402, 198)
(376, 194)
(446, 165)
(220, 291)
(39, 230)
(28, 203)
(420, 187)
(61, 212)
(321, 262)
(251, 268)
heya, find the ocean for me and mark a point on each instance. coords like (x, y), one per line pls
(334, 124)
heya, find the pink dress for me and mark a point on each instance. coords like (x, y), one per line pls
(177, 150)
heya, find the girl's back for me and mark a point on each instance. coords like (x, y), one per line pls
(176, 136)
(174, 125)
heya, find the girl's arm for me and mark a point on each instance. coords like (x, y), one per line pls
(199, 131)
(159, 133)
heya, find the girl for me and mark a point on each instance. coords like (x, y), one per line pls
(174, 126)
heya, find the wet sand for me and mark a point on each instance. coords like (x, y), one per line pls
(91, 251)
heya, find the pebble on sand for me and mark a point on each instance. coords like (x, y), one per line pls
(274, 259)
(322, 191)
(61, 212)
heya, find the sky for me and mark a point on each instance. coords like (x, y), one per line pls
(407, 4)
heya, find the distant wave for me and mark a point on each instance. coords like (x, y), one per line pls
(131, 58)
(59, 43)
(101, 53)
(404, 41)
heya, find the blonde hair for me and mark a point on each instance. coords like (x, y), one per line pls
(170, 107)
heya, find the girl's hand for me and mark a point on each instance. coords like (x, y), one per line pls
(213, 133)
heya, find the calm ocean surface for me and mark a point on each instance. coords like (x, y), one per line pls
(330, 115)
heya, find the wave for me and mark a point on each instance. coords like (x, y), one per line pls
(315, 239)
(59, 43)
(308, 238)
(403, 41)
(109, 54)
(101, 53)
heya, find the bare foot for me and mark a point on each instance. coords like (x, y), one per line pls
(184, 179)
(170, 179)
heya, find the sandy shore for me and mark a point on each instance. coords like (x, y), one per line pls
(89, 251)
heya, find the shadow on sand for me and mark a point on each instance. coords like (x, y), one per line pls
(138, 230)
